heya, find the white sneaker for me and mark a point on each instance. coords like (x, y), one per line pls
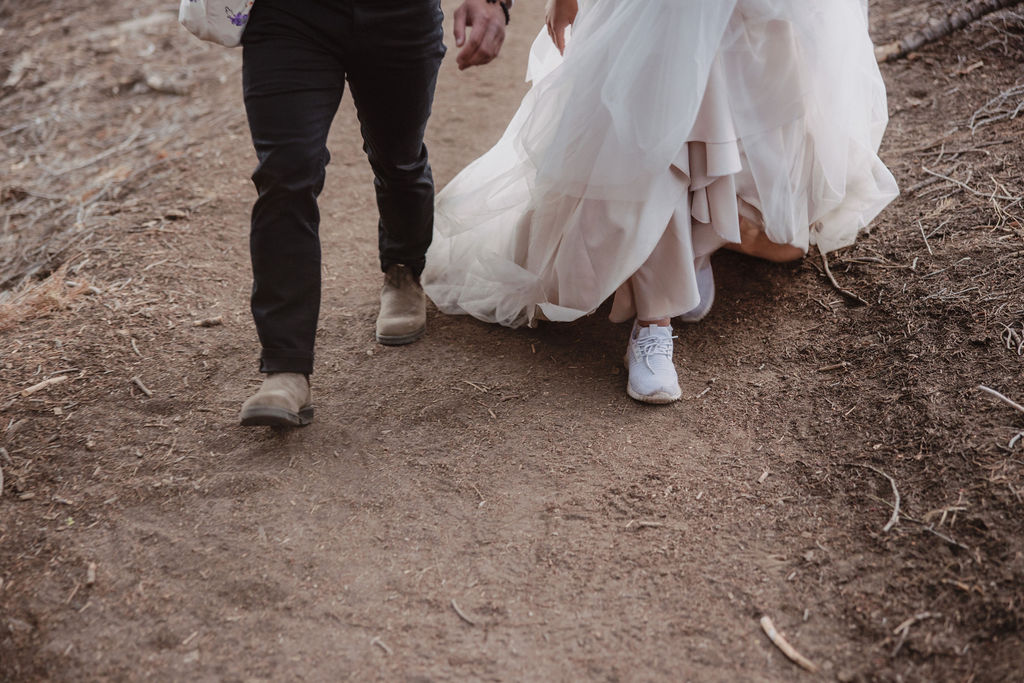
(652, 375)
(706, 289)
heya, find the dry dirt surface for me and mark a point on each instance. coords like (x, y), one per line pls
(487, 504)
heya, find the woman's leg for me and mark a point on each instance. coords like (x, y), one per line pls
(754, 242)
(652, 374)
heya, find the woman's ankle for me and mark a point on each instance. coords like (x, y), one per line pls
(754, 242)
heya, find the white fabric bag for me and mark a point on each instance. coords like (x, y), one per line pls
(219, 21)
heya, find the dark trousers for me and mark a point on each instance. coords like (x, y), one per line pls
(297, 55)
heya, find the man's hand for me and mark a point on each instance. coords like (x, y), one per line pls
(560, 14)
(488, 32)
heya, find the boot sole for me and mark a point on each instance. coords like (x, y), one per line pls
(276, 417)
(400, 339)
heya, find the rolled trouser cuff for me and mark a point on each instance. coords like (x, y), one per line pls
(286, 360)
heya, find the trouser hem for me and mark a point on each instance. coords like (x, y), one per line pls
(276, 360)
(416, 266)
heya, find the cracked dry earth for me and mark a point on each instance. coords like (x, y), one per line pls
(486, 504)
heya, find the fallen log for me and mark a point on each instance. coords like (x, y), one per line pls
(940, 28)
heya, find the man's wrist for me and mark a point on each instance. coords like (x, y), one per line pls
(505, 5)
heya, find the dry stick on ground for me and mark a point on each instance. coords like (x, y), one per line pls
(925, 526)
(895, 492)
(968, 188)
(462, 615)
(903, 629)
(925, 238)
(42, 385)
(143, 387)
(782, 644)
(382, 645)
(1013, 404)
(997, 109)
(641, 524)
(941, 28)
(831, 278)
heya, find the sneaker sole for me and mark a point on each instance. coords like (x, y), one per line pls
(659, 398)
(276, 417)
(400, 339)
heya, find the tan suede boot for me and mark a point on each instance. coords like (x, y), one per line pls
(283, 401)
(403, 308)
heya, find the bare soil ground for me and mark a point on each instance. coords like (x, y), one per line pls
(487, 504)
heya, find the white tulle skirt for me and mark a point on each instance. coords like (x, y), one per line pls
(632, 158)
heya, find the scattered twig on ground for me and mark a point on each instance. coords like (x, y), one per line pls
(903, 629)
(996, 109)
(778, 641)
(1013, 404)
(913, 189)
(894, 520)
(967, 188)
(943, 513)
(641, 524)
(489, 410)
(142, 387)
(480, 495)
(209, 322)
(924, 525)
(462, 615)
(944, 537)
(828, 273)
(925, 238)
(1013, 339)
(940, 28)
(25, 393)
(382, 645)
(834, 366)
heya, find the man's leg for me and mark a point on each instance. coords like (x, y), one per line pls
(292, 89)
(392, 74)
(293, 82)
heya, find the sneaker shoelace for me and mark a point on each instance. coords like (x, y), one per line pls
(653, 346)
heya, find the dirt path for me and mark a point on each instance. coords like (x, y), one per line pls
(487, 503)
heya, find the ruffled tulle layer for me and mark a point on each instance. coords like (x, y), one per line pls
(630, 160)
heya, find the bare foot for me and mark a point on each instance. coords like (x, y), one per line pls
(661, 322)
(754, 242)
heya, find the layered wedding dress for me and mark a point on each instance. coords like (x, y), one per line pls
(633, 157)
